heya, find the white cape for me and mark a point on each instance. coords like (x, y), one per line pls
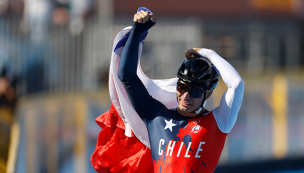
(162, 90)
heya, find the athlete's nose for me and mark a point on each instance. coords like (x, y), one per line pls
(186, 95)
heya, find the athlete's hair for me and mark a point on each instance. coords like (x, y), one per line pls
(199, 72)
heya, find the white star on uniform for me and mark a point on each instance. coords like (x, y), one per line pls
(169, 125)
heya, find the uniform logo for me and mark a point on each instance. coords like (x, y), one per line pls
(197, 128)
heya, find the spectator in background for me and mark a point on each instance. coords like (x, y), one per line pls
(7, 103)
(11, 8)
(72, 12)
(60, 14)
(78, 9)
(3, 6)
(7, 89)
(36, 17)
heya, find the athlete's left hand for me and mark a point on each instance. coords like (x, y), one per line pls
(192, 53)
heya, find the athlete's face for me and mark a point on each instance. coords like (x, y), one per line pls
(186, 103)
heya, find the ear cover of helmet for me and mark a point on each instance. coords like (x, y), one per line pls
(199, 72)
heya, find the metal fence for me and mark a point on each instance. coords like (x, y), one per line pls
(60, 61)
(53, 59)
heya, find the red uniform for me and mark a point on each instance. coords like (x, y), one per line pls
(200, 155)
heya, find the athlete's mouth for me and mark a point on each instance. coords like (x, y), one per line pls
(185, 104)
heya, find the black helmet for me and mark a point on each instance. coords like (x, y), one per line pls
(199, 73)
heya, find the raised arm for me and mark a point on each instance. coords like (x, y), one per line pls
(226, 113)
(129, 58)
(142, 102)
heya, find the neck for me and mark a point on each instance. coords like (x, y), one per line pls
(188, 114)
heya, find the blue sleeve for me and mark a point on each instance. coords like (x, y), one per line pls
(145, 105)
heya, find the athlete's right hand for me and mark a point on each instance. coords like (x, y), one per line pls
(192, 53)
(143, 17)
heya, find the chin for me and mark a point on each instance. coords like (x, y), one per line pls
(184, 109)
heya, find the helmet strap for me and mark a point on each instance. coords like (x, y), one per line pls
(201, 107)
(204, 99)
(199, 110)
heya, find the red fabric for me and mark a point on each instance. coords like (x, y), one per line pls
(115, 152)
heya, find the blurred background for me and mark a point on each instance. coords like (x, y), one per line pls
(54, 63)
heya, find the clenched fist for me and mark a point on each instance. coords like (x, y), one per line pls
(143, 17)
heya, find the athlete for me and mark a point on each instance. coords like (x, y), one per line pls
(187, 138)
